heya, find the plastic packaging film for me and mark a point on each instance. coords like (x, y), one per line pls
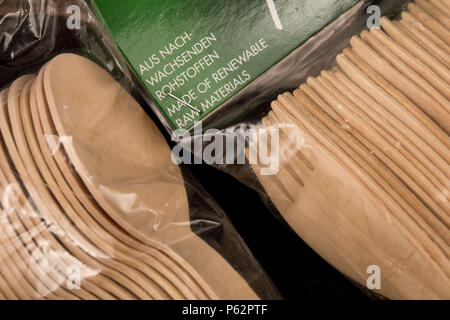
(92, 205)
(364, 156)
(94, 208)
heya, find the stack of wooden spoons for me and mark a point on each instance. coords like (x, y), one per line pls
(365, 156)
(93, 207)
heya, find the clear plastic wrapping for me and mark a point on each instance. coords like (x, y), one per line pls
(356, 159)
(93, 207)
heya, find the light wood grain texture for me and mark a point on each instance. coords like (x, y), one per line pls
(440, 5)
(439, 230)
(323, 217)
(435, 12)
(364, 169)
(412, 68)
(437, 28)
(312, 102)
(437, 204)
(9, 268)
(53, 216)
(396, 156)
(405, 137)
(406, 42)
(415, 93)
(419, 37)
(411, 20)
(48, 289)
(377, 149)
(35, 227)
(383, 92)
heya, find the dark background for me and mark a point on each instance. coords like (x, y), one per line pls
(295, 269)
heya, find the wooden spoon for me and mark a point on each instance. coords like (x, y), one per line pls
(74, 181)
(102, 239)
(53, 153)
(16, 255)
(66, 224)
(52, 214)
(10, 203)
(108, 180)
(127, 265)
(12, 265)
(36, 270)
(46, 252)
(19, 236)
(101, 245)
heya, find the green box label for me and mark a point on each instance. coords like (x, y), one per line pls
(192, 56)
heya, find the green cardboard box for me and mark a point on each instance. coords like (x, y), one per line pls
(191, 56)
